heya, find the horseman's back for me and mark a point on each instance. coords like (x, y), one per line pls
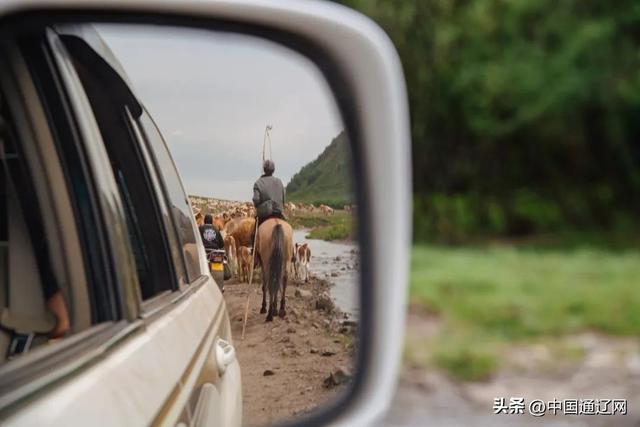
(269, 188)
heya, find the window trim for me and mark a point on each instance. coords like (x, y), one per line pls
(156, 183)
(109, 205)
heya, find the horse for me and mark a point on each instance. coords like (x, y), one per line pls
(275, 250)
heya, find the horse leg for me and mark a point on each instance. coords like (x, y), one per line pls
(272, 307)
(283, 311)
(263, 309)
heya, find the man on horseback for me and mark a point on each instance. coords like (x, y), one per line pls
(268, 194)
(268, 197)
(274, 239)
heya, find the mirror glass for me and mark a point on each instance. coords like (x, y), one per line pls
(224, 103)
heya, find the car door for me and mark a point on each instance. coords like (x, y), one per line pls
(172, 360)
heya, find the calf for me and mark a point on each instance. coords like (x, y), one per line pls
(231, 251)
(245, 259)
(302, 258)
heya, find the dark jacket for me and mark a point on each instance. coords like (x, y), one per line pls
(268, 197)
(211, 237)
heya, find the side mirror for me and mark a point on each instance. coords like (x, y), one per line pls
(363, 74)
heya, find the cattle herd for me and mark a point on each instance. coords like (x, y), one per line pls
(236, 220)
(225, 209)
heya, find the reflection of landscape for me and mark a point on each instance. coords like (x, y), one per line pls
(306, 358)
(526, 176)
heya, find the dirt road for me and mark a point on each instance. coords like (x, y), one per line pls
(293, 365)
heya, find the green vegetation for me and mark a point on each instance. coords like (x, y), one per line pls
(524, 113)
(338, 226)
(465, 362)
(327, 179)
(525, 130)
(493, 295)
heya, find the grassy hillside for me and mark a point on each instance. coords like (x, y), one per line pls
(327, 179)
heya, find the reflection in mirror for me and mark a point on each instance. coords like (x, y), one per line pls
(226, 103)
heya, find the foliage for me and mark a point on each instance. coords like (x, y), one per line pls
(341, 231)
(466, 362)
(519, 293)
(491, 296)
(525, 114)
(339, 226)
(326, 180)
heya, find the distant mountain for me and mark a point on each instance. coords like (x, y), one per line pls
(327, 179)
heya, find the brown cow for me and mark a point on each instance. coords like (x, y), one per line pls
(326, 210)
(199, 219)
(241, 229)
(302, 258)
(244, 260)
(232, 253)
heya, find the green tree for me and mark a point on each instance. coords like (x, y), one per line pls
(529, 108)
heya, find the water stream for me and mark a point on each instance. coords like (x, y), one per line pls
(338, 263)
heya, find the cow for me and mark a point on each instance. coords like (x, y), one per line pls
(302, 256)
(219, 223)
(231, 252)
(290, 208)
(326, 210)
(199, 219)
(241, 229)
(244, 262)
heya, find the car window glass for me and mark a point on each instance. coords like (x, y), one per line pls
(143, 222)
(178, 203)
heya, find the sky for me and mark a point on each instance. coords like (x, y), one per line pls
(212, 94)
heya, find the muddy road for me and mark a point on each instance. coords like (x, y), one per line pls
(290, 366)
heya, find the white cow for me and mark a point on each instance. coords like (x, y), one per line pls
(302, 258)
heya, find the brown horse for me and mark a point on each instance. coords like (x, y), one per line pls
(275, 249)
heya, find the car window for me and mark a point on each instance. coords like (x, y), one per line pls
(144, 223)
(177, 199)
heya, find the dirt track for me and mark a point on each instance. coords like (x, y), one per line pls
(286, 363)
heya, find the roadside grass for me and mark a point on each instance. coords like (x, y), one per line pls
(338, 226)
(492, 296)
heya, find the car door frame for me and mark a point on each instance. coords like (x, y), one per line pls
(165, 401)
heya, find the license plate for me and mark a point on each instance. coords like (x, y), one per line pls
(217, 267)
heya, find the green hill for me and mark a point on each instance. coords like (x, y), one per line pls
(327, 179)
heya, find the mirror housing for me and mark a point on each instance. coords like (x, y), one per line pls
(365, 74)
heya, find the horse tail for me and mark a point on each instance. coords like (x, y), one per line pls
(276, 262)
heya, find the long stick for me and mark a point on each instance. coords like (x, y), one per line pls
(267, 137)
(246, 307)
(255, 235)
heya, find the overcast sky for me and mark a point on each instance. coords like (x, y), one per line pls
(212, 94)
